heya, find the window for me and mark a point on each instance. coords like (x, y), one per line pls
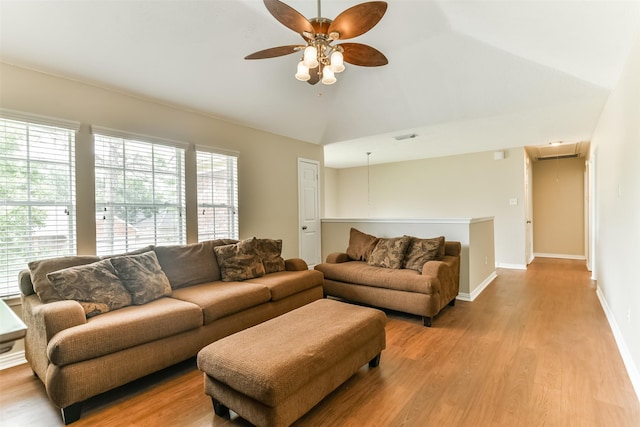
(37, 193)
(140, 192)
(217, 195)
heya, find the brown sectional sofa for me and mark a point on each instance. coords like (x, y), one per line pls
(78, 354)
(417, 276)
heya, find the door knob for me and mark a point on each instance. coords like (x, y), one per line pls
(304, 227)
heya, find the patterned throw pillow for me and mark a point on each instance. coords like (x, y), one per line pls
(239, 261)
(95, 286)
(421, 251)
(39, 270)
(389, 253)
(142, 276)
(270, 250)
(360, 245)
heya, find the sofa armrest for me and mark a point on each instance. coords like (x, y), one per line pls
(446, 273)
(337, 258)
(43, 322)
(295, 264)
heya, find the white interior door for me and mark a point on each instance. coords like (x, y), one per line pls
(309, 211)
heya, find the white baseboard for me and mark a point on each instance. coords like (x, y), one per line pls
(511, 266)
(632, 369)
(563, 256)
(9, 360)
(463, 296)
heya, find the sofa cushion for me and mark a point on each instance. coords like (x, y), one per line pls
(200, 258)
(239, 261)
(125, 328)
(270, 251)
(421, 251)
(39, 270)
(360, 273)
(287, 283)
(360, 245)
(389, 253)
(95, 286)
(219, 299)
(142, 276)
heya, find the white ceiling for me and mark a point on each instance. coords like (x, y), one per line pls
(465, 76)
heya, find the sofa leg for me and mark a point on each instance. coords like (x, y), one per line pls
(427, 321)
(220, 409)
(71, 413)
(375, 362)
(452, 302)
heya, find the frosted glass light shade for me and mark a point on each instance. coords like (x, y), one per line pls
(337, 62)
(303, 72)
(310, 57)
(328, 77)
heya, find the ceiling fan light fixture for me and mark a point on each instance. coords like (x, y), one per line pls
(310, 57)
(328, 77)
(337, 62)
(303, 72)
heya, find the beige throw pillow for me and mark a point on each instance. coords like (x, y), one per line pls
(39, 270)
(239, 261)
(142, 276)
(95, 286)
(360, 245)
(389, 253)
(422, 250)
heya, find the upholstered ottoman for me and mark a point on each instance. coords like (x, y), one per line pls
(273, 373)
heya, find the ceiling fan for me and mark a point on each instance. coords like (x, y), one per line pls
(322, 59)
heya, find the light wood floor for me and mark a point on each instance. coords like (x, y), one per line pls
(534, 349)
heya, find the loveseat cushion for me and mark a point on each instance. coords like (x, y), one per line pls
(142, 276)
(287, 283)
(219, 299)
(360, 273)
(95, 286)
(187, 265)
(124, 328)
(39, 270)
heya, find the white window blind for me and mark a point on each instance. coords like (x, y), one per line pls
(37, 195)
(217, 195)
(140, 193)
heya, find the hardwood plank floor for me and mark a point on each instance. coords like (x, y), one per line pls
(534, 349)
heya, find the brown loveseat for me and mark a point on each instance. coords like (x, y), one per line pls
(180, 298)
(417, 276)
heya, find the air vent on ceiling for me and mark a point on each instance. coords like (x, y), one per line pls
(407, 136)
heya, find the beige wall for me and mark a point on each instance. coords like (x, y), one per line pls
(615, 153)
(558, 207)
(330, 193)
(464, 186)
(267, 178)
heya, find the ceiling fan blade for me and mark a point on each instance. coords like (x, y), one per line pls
(358, 19)
(315, 77)
(273, 52)
(289, 17)
(363, 55)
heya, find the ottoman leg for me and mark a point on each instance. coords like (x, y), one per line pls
(375, 362)
(220, 409)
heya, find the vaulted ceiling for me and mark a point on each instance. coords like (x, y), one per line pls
(464, 76)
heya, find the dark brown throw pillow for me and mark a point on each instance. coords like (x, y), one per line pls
(360, 245)
(142, 276)
(270, 251)
(389, 253)
(95, 286)
(239, 261)
(421, 251)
